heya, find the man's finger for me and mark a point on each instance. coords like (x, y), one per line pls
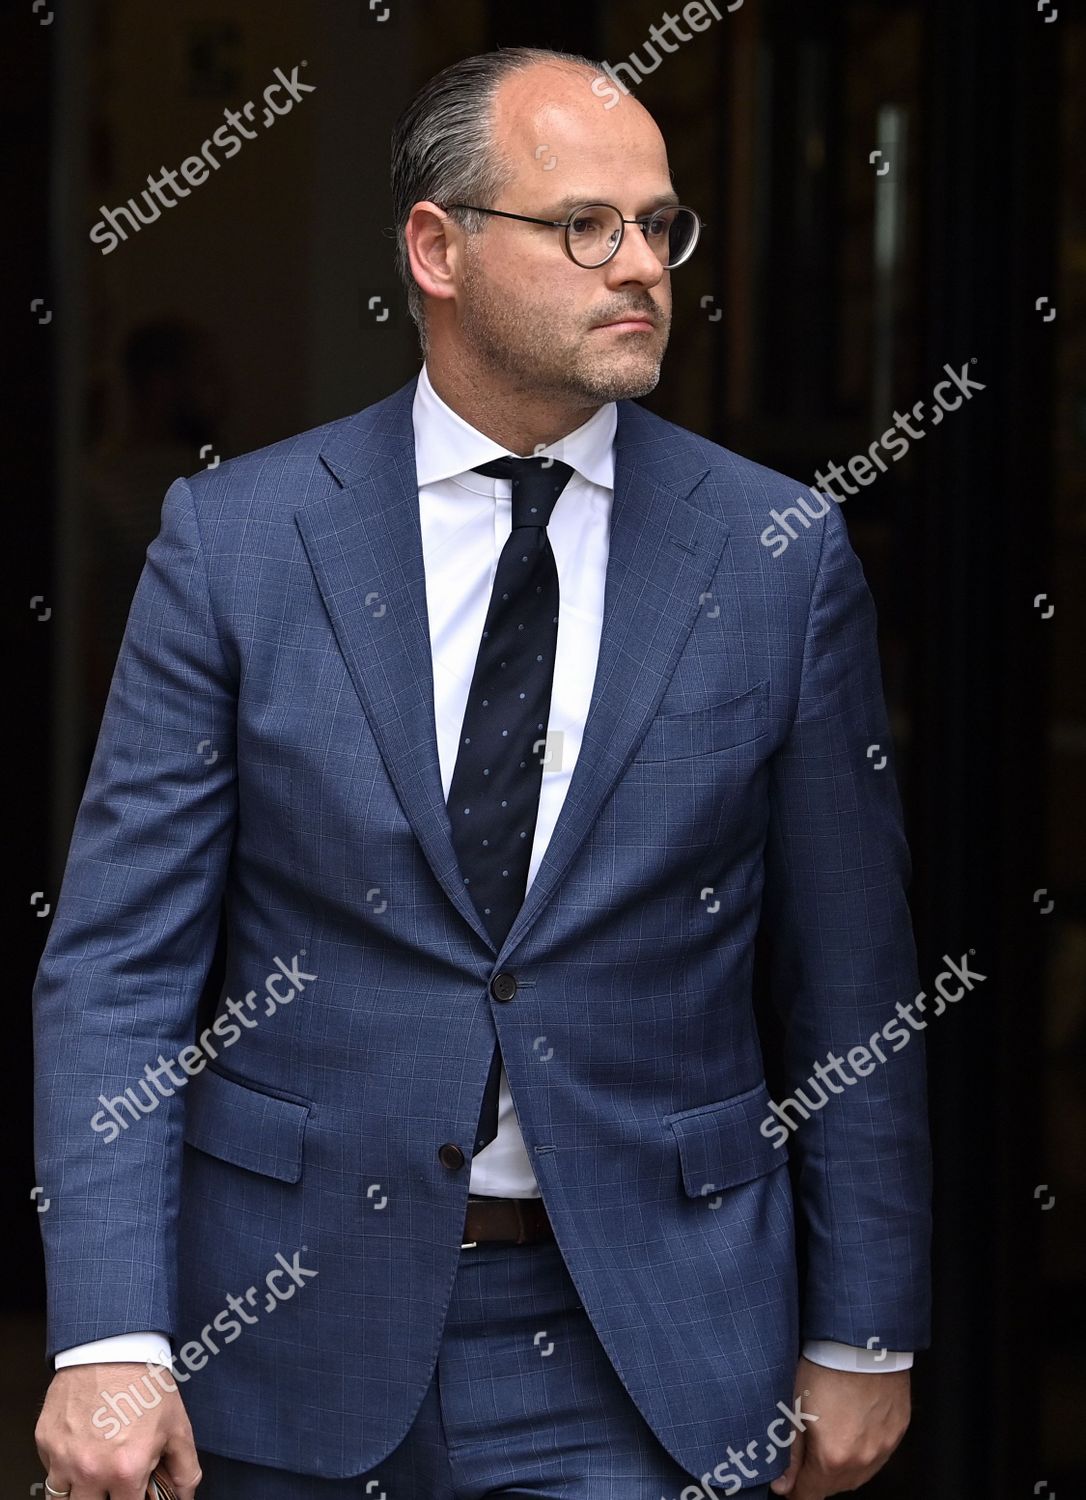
(181, 1465)
(784, 1483)
(82, 1489)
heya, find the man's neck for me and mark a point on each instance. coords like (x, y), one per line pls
(521, 420)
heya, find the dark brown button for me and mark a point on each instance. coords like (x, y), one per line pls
(451, 1156)
(503, 986)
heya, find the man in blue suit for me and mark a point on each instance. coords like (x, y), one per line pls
(494, 728)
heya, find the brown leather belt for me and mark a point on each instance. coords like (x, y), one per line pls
(521, 1220)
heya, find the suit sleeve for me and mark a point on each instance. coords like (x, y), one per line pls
(843, 958)
(129, 950)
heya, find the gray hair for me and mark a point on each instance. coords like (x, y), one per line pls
(443, 146)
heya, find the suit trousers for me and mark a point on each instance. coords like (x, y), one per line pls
(523, 1402)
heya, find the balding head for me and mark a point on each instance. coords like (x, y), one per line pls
(526, 135)
(551, 129)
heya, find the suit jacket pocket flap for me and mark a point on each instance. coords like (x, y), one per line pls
(721, 1144)
(719, 726)
(242, 1125)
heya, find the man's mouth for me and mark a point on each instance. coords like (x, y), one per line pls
(633, 323)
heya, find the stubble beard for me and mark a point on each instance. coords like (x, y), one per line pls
(535, 357)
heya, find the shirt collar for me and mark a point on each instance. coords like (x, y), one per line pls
(447, 446)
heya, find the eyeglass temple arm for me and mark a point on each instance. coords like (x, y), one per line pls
(554, 223)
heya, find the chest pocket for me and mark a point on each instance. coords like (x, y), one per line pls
(718, 727)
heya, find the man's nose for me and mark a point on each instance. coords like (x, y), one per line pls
(635, 260)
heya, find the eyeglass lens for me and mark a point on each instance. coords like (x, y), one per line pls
(595, 230)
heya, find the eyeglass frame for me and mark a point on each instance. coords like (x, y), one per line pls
(565, 224)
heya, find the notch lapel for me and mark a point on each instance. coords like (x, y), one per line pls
(364, 544)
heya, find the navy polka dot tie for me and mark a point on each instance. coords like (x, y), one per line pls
(494, 794)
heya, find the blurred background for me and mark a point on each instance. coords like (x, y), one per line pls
(890, 188)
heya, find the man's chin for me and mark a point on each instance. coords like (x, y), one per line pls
(626, 385)
(622, 381)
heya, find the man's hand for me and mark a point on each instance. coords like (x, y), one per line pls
(862, 1417)
(115, 1455)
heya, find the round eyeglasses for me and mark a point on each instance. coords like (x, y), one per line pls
(592, 235)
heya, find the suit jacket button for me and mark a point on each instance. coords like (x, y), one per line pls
(503, 986)
(451, 1156)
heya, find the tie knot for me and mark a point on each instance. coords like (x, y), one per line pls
(537, 483)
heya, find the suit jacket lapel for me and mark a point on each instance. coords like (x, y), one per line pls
(364, 544)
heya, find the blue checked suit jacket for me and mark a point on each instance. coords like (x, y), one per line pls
(269, 739)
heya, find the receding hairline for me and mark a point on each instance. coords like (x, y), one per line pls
(569, 66)
(573, 69)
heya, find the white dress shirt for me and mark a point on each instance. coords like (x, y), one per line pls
(465, 520)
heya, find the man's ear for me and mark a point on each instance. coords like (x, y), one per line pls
(433, 247)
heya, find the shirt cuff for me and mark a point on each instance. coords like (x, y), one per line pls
(121, 1348)
(837, 1356)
